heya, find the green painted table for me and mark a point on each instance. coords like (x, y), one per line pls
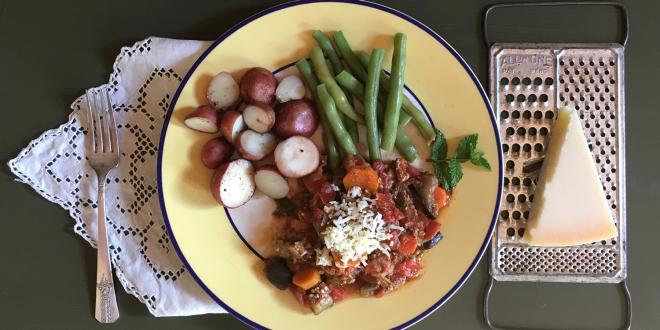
(51, 51)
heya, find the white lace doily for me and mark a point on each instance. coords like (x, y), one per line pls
(144, 79)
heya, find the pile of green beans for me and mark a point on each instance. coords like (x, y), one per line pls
(349, 74)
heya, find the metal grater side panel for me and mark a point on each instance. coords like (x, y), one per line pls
(527, 83)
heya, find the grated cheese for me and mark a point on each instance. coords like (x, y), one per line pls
(356, 229)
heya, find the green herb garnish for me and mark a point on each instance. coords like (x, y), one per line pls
(449, 171)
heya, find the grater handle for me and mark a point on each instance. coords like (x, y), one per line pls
(620, 6)
(486, 309)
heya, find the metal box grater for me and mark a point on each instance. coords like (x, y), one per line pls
(528, 82)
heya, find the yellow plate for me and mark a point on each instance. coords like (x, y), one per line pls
(221, 252)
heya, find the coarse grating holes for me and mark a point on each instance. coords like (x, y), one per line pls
(549, 114)
(515, 147)
(543, 131)
(510, 232)
(527, 81)
(543, 98)
(521, 131)
(531, 98)
(515, 114)
(515, 181)
(515, 81)
(504, 214)
(504, 81)
(538, 114)
(520, 98)
(505, 147)
(509, 98)
(527, 114)
(538, 81)
(532, 131)
(516, 214)
(510, 198)
(510, 131)
(527, 147)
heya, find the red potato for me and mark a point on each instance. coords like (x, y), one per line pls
(215, 152)
(297, 117)
(259, 117)
(233, 183)
(223, 91)
(271, 182)
(255, 146)
(296, 157)
(204, 119)
(231, 125)
(290, 88)
(258, 85)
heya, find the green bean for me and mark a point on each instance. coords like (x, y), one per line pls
(395, 96)
(328, 80)
(371, 102)
(349, 82)
(347, 53)
(418, 117)
(328, 106)
(324, 42)
(405, 146)
(335, 66)
(328, 137)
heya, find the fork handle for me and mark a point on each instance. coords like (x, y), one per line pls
(106, 310)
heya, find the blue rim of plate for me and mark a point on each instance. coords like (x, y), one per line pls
(392, 11)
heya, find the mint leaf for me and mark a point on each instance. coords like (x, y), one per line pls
(477, 158)
(449, 173)
(466, 146)
(439, 147)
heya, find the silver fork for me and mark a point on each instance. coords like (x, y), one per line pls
(103, 155)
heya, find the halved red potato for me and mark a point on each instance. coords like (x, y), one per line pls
(296, 157)
(290, 88)
(223, 91)
(231, 125)
(233, 183)
(271, 182)
(216, 151)
(255, 146)
(259, 117)
(258, 85)
(204, 119)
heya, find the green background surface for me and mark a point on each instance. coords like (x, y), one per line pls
(51, 51)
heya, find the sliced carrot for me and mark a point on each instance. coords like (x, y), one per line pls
(363, 177)
(432, 228)
(306, 278)
(441, 197)
(337, 257)
(407, 244)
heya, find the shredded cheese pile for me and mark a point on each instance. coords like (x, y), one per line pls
(355, 230)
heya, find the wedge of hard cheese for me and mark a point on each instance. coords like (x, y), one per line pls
(569, 205)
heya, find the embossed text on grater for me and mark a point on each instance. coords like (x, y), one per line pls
(528, 83)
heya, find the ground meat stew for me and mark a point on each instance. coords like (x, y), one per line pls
(349, 236)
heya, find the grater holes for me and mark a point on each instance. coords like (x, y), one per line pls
(510, 131)
(531, 98)
(538, 81)
(538, 147)
(506, 181)
(527, 81)
(532, 131)
(509, 98)
(527, 182)
(521, 131)
(510, 165)
(521, 198)
(510, 232)
(527, 114)
(510, 198)
(527, 147)
(520, 98)
(504, 81)
(549, 114)
(516, 215)
(515, 81)
(543, 98)
(515, 147)
(504, 115)
(521, 232)
(504, 214)
(515, 181)
(543, 131)
(538, 114)
(515, 114)
(505, 147)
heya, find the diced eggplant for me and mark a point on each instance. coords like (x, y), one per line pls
(319, 298)
(425, 189)
(278, 273)
(432, 242)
